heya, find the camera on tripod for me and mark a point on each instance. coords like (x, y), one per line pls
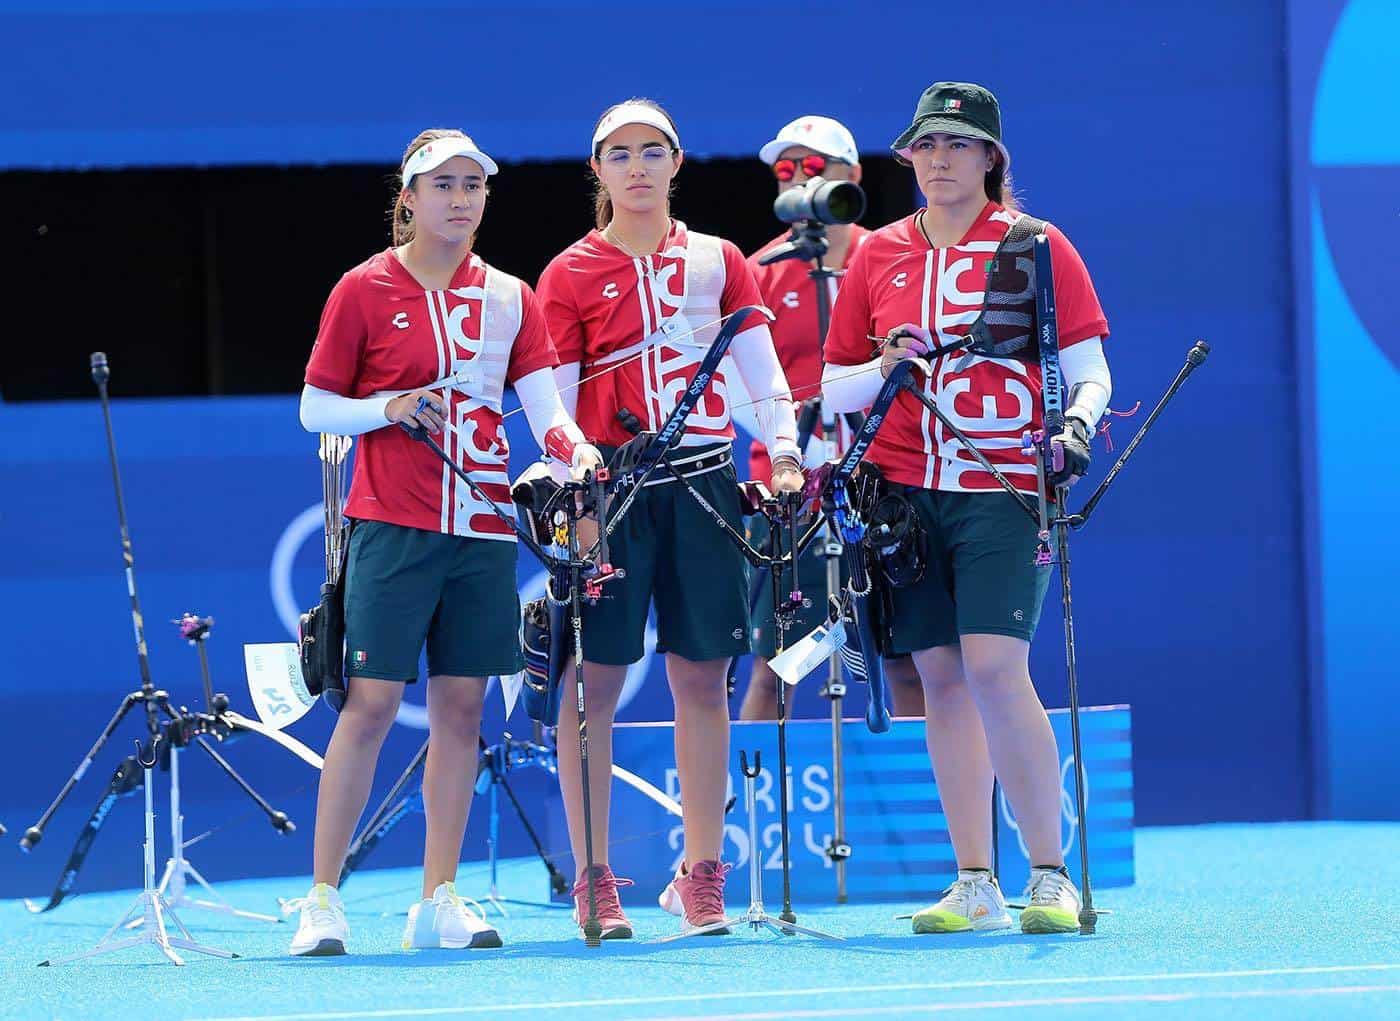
(828, 202)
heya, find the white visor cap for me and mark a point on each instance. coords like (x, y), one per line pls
(634, 113)
(820, 134)
(439, 151)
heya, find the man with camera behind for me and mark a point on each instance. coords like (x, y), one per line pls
(806, 149)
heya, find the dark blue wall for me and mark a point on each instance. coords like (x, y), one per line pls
(1153, 134)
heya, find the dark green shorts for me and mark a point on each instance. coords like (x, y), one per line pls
(811, 578)
(405, 586)
(676, 556)
(981, 577)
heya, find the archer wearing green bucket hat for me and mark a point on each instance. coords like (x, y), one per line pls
(932, 286)
(958, 108)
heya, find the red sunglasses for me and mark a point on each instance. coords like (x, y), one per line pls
(812, 165)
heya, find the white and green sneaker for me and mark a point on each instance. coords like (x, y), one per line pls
(973, 903)
(448, 922)
(322, 929)
(1053, 903)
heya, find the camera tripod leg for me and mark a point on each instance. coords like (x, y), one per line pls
(557, 883)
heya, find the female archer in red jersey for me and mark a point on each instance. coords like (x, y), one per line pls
(633, 307)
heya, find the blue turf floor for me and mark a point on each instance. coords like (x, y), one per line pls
(1284, 922)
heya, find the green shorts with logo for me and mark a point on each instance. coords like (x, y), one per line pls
(677, 557)
(811, 580)
(406, 586)
(980, 579)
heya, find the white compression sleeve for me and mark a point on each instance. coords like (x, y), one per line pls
(550, 422)
(1085, 370)
(323, 411)
(741, 405)
(762, 375)
(851, 387)
(567, 377)
(1086, 375)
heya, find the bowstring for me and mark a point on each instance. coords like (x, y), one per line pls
(645, 349)
(792, 393)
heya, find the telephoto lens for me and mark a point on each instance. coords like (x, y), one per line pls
(824, 201)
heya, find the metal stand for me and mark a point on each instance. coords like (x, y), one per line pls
(756, 917)
(150, 909)
(154, 702)
(178, 869)
(809, 243)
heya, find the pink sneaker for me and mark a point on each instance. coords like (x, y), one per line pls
(605, 886)
(697, 895)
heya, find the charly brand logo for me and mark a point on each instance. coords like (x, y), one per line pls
(1069, 815)
(790, 299)
(401, 320)
(610, 290)
(900, 279)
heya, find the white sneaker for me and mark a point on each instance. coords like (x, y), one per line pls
(448, 922)
(1053, 904)
(323, 930)
(973, 903)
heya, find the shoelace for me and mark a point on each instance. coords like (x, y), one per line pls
(466, 906)
(319, 915)
(962, 891)
(1046, 887)
(605, 887)
(707, 888)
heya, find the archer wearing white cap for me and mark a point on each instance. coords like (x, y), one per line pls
(810, 146)
(425, 334)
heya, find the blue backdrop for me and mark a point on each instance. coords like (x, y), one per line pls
(1346, 178)
(1163, 157)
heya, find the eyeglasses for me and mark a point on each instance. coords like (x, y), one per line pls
(653, 156)
(813, 165)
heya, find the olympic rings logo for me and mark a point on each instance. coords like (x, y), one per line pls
(1069, 814)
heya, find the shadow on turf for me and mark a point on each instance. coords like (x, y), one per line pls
(881, 945)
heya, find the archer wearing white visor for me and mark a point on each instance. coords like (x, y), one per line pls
(425, 334)
(634, 307)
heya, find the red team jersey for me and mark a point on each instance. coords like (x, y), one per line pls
(381, 331)
(897, 278)
(791, 294)
(604, 307)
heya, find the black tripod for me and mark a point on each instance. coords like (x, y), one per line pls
(154, 702)
(809, 243)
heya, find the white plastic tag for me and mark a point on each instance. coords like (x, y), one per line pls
(808, 652)
(275, 683)
(511, 684)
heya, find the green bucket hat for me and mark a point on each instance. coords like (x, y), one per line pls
(954, 108)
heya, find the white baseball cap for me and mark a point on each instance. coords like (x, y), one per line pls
(634, 113)
(437, 152)
(821, 134)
